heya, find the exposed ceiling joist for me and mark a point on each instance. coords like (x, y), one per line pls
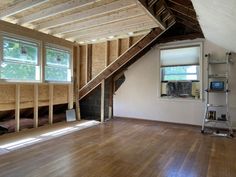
(119, 16)
(19, 7)
(55, 10)
(150, 11)
(187, 11)
(90, 13)
(110, 27)
(119, 32)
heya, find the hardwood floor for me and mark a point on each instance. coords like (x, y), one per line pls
(126, 148)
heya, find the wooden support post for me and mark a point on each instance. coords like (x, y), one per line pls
(70, 96)
(129, 42)
(107, 53)
(88, 62)
(111, 91)
(50, 120)
(102, 100)
(17, 108)
(118, 48)
(36, 92)
(76, 57)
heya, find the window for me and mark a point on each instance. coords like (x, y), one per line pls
(58, 65)
(20, 60)
(180, 71)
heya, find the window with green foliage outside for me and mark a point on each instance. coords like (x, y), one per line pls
(20, 60)
(58, 65)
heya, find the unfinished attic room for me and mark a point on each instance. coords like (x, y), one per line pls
(117, 88)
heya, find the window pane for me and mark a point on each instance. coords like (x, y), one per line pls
(55, 57)
(57, 74)
(20, 51)
(180, 77)
(21, 72)
(180, 73)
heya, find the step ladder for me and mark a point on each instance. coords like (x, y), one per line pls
(217, 116)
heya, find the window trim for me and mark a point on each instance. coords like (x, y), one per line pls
(59, 48)
(26, 40)
(182, 44)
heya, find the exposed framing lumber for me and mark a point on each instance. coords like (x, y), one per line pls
(110, 107)
(102, 100)
(115, 27)
(150, 11)
(107, 53)
(122, 60)
(36, 102)
(17, 108)
(76, 56)
(186, 11)
(122, 31)
(55, 10)
(50, 116)
(97, 11)
(189, 24)
(70, 96)
(19, 7)
(129, 41)
(151, 2)
(118, 48)
(107, 19)
(89, 62)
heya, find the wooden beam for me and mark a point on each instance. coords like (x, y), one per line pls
(90, 13)
(17, 109)
(151, 3)
(111, 92)
(191, 25)
(122, 31)
(150, 11)
(19, 7)
(50, 120)
(76, 56)
(102, 100)
(51, 11)
(118, 48)
(36, 92)
(70, 96)
(107, 53)
(186, 11)
(110, 27)
(129, 41)
(89, 61)
(181, 37)
(107, 19)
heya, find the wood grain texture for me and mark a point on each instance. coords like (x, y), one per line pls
(126, 148)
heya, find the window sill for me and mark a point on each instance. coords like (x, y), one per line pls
(180, 99)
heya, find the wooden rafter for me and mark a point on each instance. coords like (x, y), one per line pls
(19, 7)
(151, 12)
(120, 31)
(182, 9)
(109, 27)
(90, 13)
(119, 16)
(55, 10)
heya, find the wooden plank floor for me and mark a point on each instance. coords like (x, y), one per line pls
(126, 148)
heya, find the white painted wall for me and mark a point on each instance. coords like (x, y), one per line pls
(138, 95)
(217, 20)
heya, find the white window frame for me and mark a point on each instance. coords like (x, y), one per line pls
(183, 44)
(60, 48)
(26, 40)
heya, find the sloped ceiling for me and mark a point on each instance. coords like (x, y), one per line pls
(217, 19)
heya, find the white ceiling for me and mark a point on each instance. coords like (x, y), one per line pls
(218, 21)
